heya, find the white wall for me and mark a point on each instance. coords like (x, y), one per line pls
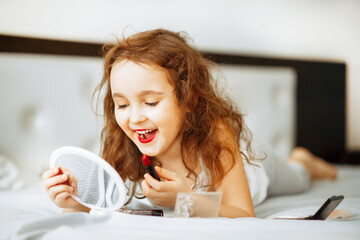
(305, 29)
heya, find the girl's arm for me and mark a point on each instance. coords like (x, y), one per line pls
(236, 200)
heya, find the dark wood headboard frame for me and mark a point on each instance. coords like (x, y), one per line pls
(320, 95)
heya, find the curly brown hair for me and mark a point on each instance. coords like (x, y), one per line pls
(196, 92)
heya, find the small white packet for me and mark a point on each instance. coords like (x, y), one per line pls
(203, 204)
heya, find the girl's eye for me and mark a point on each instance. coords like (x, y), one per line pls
(152, 104)
(122, 106)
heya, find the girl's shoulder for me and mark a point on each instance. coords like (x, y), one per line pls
(226, 135)
(230, 153)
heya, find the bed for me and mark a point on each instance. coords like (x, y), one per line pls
(45, 103)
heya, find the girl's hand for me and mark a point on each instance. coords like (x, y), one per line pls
(60, 184)
(164, 193)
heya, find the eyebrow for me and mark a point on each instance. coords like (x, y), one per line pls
(141, 94)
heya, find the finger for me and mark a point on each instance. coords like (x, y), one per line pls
(162, 172)
(62, 196)
(50, 182)
(64, 170)
(146, 188)
(55, 190)
(73, 183)
(50, 173)
(71, 177)
(153, 183)
(72, 180)
(163, 186)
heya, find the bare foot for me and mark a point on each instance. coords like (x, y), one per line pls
(317, 168)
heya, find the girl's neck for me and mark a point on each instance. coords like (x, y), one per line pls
(172, 156)
(169, 158)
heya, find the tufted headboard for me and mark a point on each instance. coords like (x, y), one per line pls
(46, 88)
(45, 103)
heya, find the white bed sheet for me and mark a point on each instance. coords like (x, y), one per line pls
(29, 214)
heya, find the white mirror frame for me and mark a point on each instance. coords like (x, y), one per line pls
(115, 177)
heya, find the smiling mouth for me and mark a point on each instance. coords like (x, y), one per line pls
(146, 136)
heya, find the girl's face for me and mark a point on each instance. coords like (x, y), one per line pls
(146, 108)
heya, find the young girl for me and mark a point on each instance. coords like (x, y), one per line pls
(160, 100)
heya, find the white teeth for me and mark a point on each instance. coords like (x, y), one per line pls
(143, 132)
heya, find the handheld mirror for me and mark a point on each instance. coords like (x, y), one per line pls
(99, 186)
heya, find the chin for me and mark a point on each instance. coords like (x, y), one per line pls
(151, 154)
(147, 151)
(152, 150)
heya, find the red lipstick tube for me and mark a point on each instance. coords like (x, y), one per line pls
(149, 167)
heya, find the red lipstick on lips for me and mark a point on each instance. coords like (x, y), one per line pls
(147, 140)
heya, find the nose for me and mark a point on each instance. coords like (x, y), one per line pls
(136, 115)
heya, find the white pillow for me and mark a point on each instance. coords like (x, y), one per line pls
(9, 175)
